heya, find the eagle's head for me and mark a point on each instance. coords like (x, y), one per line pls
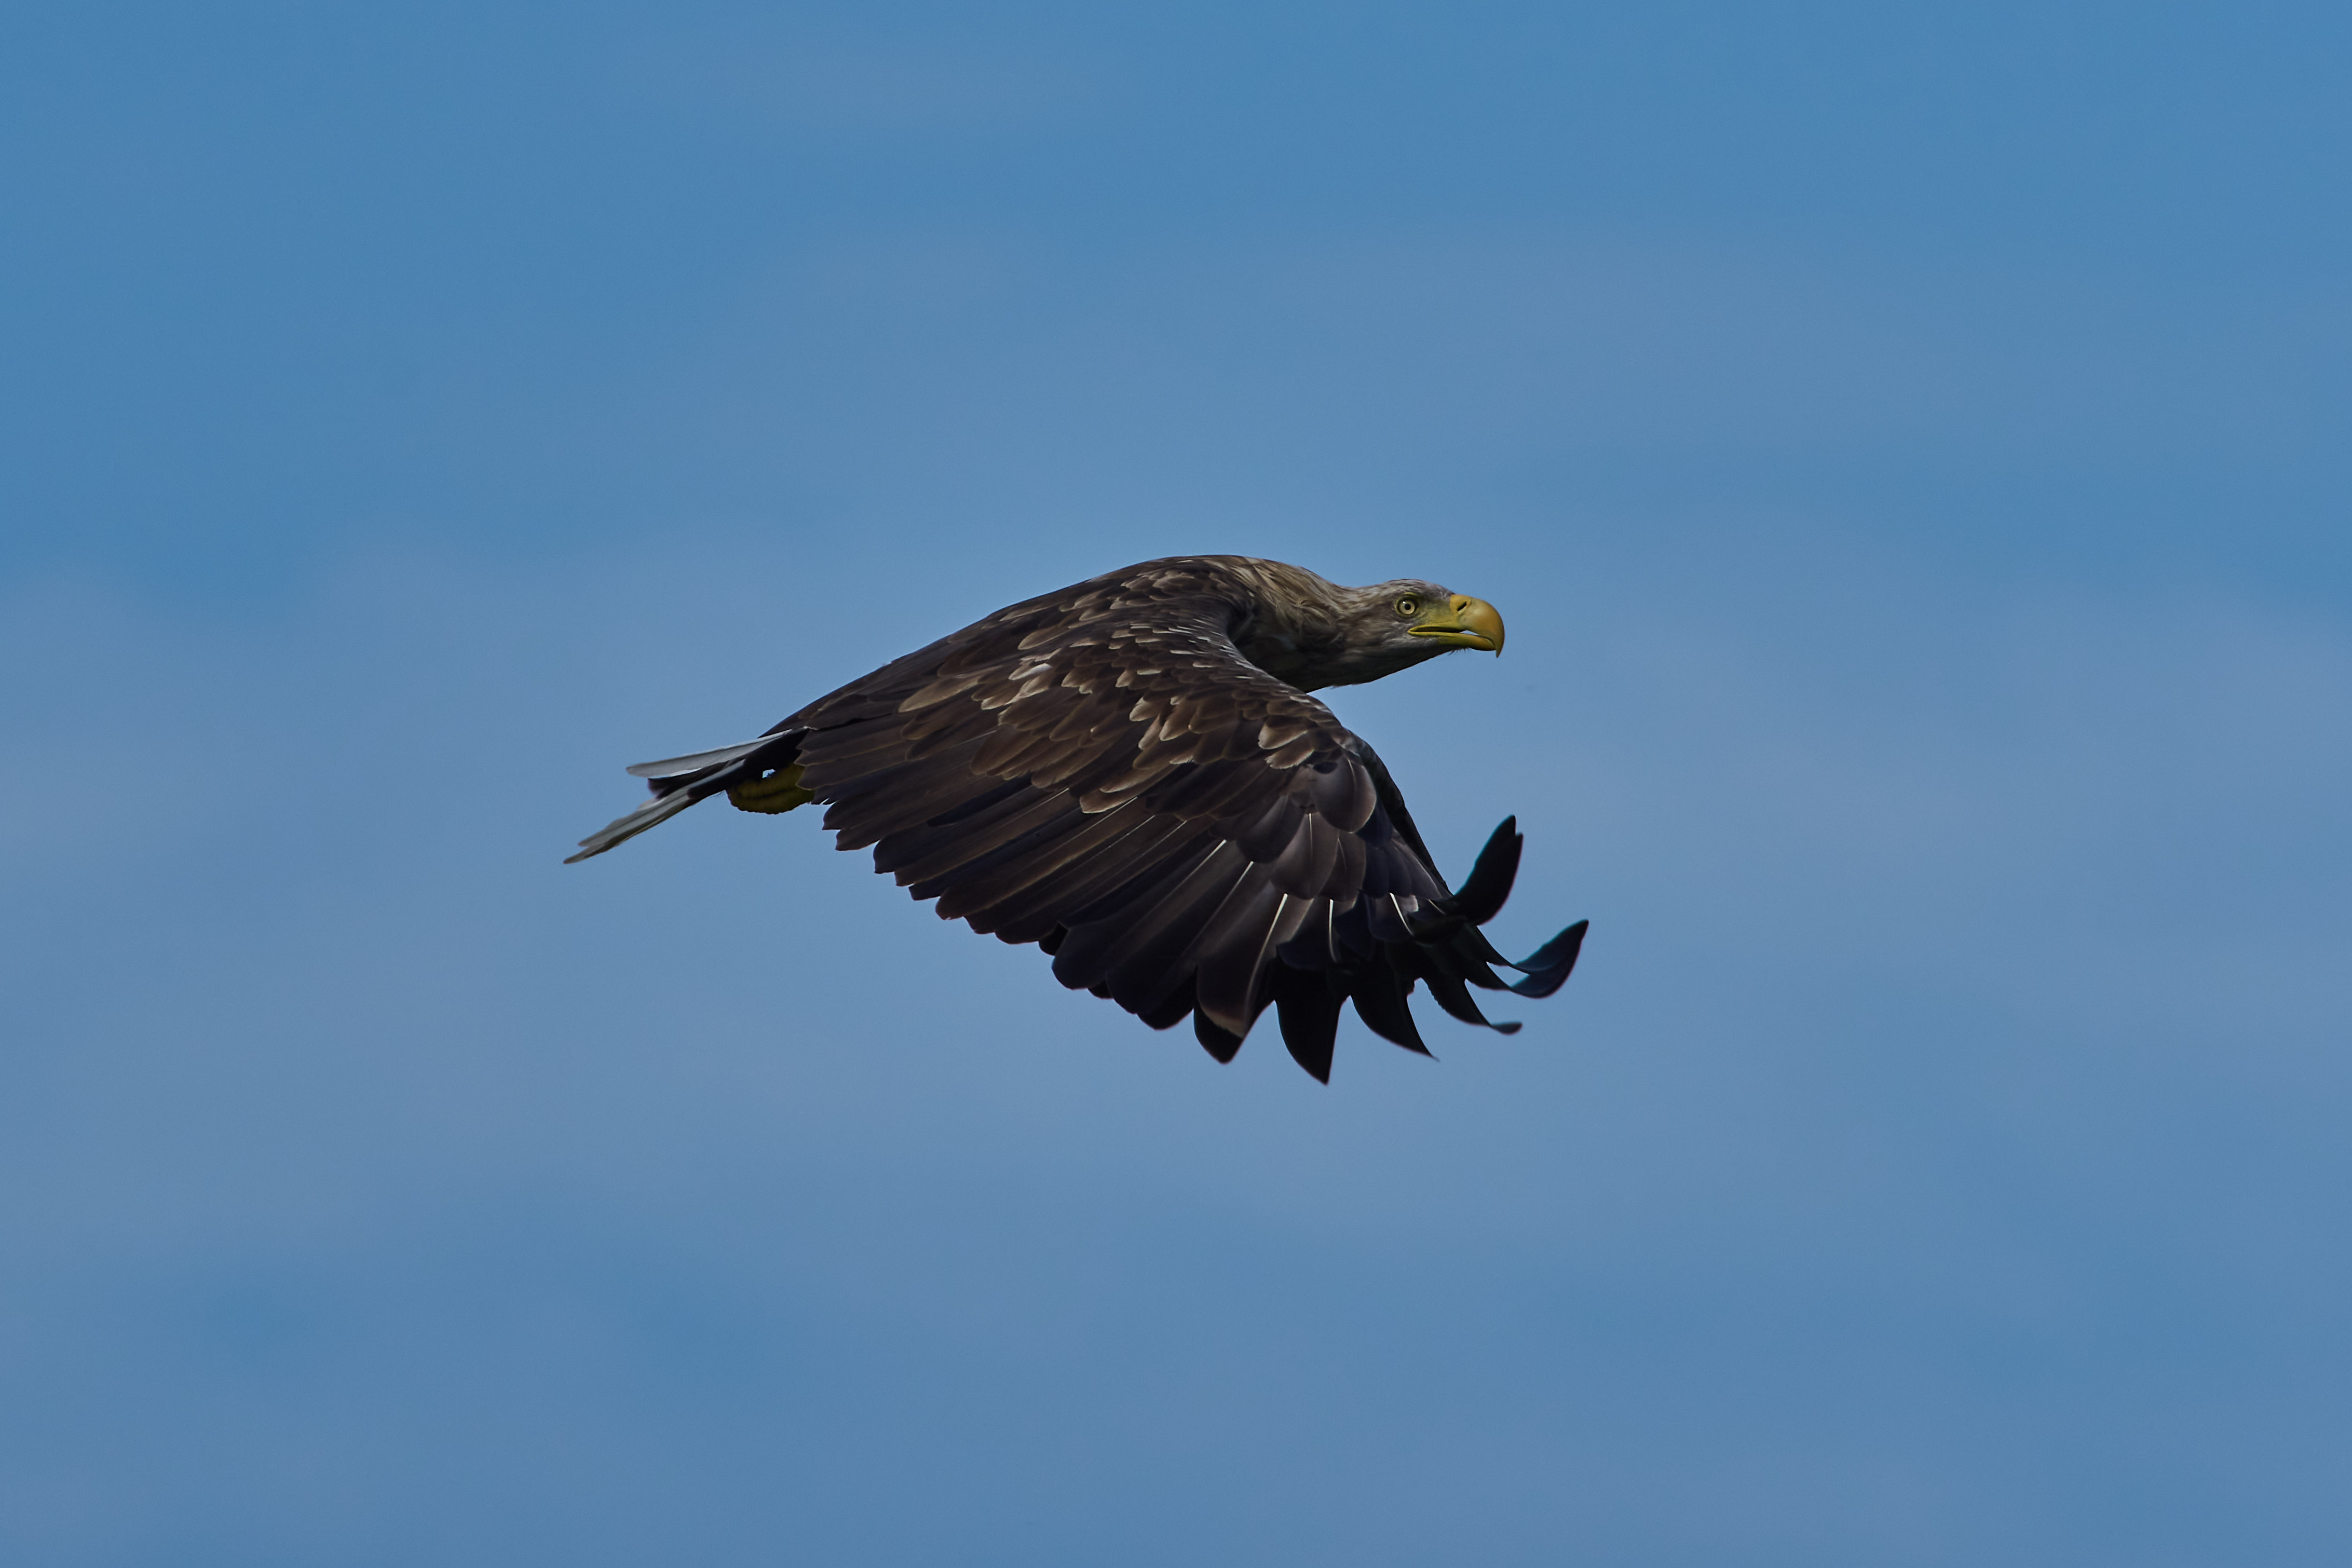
(1313, 633)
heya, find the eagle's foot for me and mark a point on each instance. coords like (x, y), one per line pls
(776, 790)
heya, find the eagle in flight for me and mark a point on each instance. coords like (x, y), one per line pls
(1132, 774)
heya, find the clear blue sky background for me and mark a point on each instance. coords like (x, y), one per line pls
(1909, 444)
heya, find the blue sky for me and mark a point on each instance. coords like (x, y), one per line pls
(1908, 445)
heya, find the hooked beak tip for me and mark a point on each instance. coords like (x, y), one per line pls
(1468, 623)
(1480, 618)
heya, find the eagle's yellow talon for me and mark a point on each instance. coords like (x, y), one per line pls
(778, 792)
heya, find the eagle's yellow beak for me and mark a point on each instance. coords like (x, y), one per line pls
(1464, 622)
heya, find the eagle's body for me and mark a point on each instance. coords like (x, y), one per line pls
(1132, 774)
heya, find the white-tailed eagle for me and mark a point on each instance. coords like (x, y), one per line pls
(1130, 773)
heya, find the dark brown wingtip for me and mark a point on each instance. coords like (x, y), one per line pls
(1380, 1001)
(1308, 1009)
(1489, 882)
(1217, 1042)
(1548, 967)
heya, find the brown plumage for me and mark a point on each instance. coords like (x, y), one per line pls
(1131, 773)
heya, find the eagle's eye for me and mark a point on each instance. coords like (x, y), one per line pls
(1408, 606)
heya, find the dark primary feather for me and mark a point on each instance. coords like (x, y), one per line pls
(1103, 772)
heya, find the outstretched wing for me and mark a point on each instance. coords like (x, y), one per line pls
(1101, 772)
